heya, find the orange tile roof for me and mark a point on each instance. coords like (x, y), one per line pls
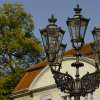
(85, 51)
(35, 69)
(37, 66)
(26, 80)
(30, 74)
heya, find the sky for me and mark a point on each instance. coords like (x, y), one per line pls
(41, 10)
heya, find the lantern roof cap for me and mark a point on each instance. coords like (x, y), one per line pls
(52, 19)
(77, 10)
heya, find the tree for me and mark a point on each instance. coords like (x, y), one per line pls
(16, 34)
(18, 45)
(8, 83)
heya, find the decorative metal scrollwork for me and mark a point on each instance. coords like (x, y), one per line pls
(90, 82)
(64, 81)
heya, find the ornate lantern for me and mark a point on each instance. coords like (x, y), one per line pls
(56, 65)
(52, 37)
(77, 28)
(96, 46)
(96, 36)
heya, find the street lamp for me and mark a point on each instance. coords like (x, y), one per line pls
(77, 28)
(52, 37)
(96, 46)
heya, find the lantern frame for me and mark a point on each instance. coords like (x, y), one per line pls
(77, 27)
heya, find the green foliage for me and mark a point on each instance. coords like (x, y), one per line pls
(15, 28)
(15, 24)
(8, 83)
(17, 42)
(13, 18)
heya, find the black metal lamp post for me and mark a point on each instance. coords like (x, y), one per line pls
(52, 37)
(77, 28)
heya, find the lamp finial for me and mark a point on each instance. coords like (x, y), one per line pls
(52, 19)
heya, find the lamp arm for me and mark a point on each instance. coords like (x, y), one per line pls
(90, 82)
(64, 82)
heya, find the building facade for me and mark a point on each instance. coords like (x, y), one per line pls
(38, 83)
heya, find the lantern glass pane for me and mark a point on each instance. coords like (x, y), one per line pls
(97, 46)
(97, 35)
(77, 45)
(51, 57)
(45, 40)
(83, 26)
(56, 64)
(77, 28)
(59, 55)
(74, 29)
(54, 40)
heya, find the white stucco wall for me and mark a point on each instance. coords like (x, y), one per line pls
(24, 98)
(45, 79)
(44, 95)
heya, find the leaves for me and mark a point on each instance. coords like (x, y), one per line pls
(13, 16)
(15, 26)
(7, 83)
(18, 45)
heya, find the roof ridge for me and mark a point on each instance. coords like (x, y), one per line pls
(39, 65)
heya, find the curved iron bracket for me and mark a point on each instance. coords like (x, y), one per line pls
(64, 81)
(90, 82)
